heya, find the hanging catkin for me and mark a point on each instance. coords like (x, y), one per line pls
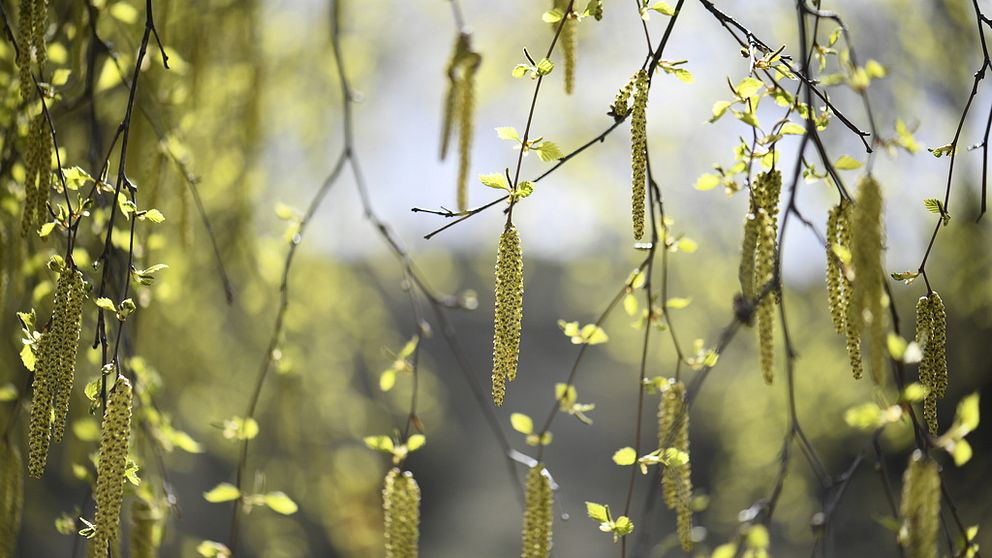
(837, 283)
(43, 388)
(765, 195)
(509, 311)
(68, 322)
(459, 106)
(676, 480)
(145, 529)
(401, 508)
(920, 507)
(11, 496)
(745, 273)
(109, 493)
(538, 515)
(638, 151)
(931, 334)
(866, 313)
(569, 43)
(621, 104)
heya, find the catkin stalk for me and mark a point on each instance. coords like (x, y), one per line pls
(638, 152)
(110, 478)
(401, 508)
(508, 313)
(11, 496)
(538, 515)
(920, 507)
(676, 480)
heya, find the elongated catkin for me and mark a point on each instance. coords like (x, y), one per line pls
(638, 151)
(569, 43)
(146, 530)
(676, 480)
(110, 476)
(401, 508)
(69, 322)
(11, 496)
(40, 425)
(931, 334)
(766, 191)
(466, 113)
(509, 312)
(538, 515)
(866, 311)
(920, 507)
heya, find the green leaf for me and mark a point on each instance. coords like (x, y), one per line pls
(846, 162)
(552, 16)
(663, 8)
(544, 67)
(747, 87)
(791, 128)
(678, 303)
(508, 133)
(379, 443)
(223, 492)
(279, 502)
(707, 181)
(598, 512)
(522, 423)
(962, 452)
(687, 245)
(967, 414)
(942, 150)
(593, 334)
(520, 70)
(914, 392)
(548, 151)
(153, 215)
(387, 379)
(524, 189)
(495, 180)
(905, 276)
(106, 304)
(415, 442)
(60, 76)
(625, 456)
(213, 549)
(719, 109)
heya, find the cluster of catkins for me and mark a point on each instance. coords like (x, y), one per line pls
(931, 334)
(31, 54)
(54, 368)
(757, 268)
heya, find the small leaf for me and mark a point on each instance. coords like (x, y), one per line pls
(223, 492)
(153, 215)
(106, 304)
(962, 452)
(508, 133)
(495, 180)
(552, 16)
(846, 162)
(544, 67)
(279, 502)
(707, 181)
(663, 8)
(379, 443)
(415, 442)
(791, 128)
(522, 423)
(598, 512)
(625, 456)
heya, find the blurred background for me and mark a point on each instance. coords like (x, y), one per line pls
(252, 107)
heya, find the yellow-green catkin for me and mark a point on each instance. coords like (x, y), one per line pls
(749, 243)
(146, 529)
(866, 312)
(32, 24)
(931, 334)
(509, 312)
(466, 111)
(68, 323)
(11, 496)
(538, 515)
(401, 509)
(621, 104)
(459, 108)
(569, 43)
(765, 197)
(110, 478)
(676, 480)
(839, 284)
(920, 507)
(43, 390)
(638, 151)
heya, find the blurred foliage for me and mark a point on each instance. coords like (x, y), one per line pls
(246, 121)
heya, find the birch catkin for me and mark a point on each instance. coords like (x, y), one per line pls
(110, 478)
(11, 496)
(920, 507)
(145, 529)
(866, 312)
(765, 193)
(401, 508)
(569, 43)
(43, 388)
(69, 322)
(459, 108)
(931, 334)
(538, 515)
(509, 312)
(638, 151)
(676, 480)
